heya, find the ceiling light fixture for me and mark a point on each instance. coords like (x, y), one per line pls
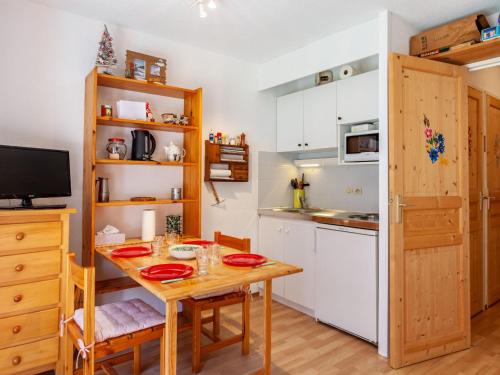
(203, 12)
(211, 4)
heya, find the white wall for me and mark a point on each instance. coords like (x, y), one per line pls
(355, 43)
(46, 54)
(487, 80)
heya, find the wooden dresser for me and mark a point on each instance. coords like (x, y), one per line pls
(32, 245)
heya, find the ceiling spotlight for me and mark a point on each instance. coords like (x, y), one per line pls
(211, 4)
(203, 13)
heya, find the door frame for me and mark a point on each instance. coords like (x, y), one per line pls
(396, 266)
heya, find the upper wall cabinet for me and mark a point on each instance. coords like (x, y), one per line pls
(290, 122)
(306, 120)
(357, 98)
(320, 123)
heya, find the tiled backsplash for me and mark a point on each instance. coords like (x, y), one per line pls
(352, 188)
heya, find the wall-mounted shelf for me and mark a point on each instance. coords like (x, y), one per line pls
(142, 203)
(145, 125)
(470, 54)
(145, 162)
(216, 153)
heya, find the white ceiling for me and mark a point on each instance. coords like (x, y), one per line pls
(259, 30)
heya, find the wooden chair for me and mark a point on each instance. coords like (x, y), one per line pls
(85, 340)
(193, 309)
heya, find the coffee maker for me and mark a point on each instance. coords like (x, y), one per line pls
(143, 145)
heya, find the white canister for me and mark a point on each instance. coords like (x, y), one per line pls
(148, 225)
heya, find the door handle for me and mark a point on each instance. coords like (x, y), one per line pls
(399, 208)
(488, 200)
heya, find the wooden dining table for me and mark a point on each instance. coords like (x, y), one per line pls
(220, 277)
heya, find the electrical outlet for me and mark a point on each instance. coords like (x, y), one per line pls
(348, 190)
(354, 190)
(358, 191)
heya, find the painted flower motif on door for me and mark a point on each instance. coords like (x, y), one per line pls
(434, 143)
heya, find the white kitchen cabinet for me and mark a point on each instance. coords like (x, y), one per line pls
(320, 117)
(290, 122)
(357, 98)
(299, 250)
(271, 245)
(290, 241)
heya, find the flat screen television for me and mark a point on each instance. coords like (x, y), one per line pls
(27, 173)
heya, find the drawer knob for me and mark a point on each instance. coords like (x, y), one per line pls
(20, 236)
(18, 298)
(16, 360)
(19, 267)
(16, 330)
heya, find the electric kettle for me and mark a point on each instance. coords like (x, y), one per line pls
(143, 145)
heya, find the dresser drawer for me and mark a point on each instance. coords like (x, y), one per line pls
(22, 328)
(29, 356)
(30, 235)
(21, 267)
(28, 296)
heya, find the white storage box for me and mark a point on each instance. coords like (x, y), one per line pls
(109, 239)
(131, 110)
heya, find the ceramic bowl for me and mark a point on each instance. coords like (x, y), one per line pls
(183, 251)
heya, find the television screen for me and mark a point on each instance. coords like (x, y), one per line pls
(33, 173)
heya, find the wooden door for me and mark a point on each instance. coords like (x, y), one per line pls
(493, 198)
(475, 141)
(290, 122)
(428, 177)
(320, 117)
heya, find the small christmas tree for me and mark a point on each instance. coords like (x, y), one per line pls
(106, 54)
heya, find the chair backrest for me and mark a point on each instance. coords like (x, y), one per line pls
(82, 278)
(242, 244)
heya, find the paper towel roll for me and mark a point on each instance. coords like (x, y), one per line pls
(148, 225)
(220, 173)
(346, 71)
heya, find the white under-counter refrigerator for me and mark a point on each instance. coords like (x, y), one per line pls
(346, 285)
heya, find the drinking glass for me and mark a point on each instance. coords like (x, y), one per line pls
(214, 254)
(172, 238)
(202, 260)
(156, 245)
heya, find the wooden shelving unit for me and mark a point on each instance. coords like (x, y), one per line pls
(145, 162)
(145, 125)
(470, 54)
(191, 204)
(142, 203)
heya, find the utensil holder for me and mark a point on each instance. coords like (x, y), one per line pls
(298, 194)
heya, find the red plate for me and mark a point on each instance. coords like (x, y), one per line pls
(131, 252)
(244, 260)
(167, 271)
(200, 242)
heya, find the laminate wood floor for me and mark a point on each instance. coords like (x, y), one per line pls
(302, 346)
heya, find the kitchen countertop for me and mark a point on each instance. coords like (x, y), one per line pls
(323, 216)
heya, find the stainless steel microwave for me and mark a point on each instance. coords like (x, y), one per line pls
(361, 146)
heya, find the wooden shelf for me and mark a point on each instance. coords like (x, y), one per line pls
(142, 203)
(122, 83)
(146, 125)
(469, 54)
(144, 162)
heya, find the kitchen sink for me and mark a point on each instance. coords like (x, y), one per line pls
(298, 210)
